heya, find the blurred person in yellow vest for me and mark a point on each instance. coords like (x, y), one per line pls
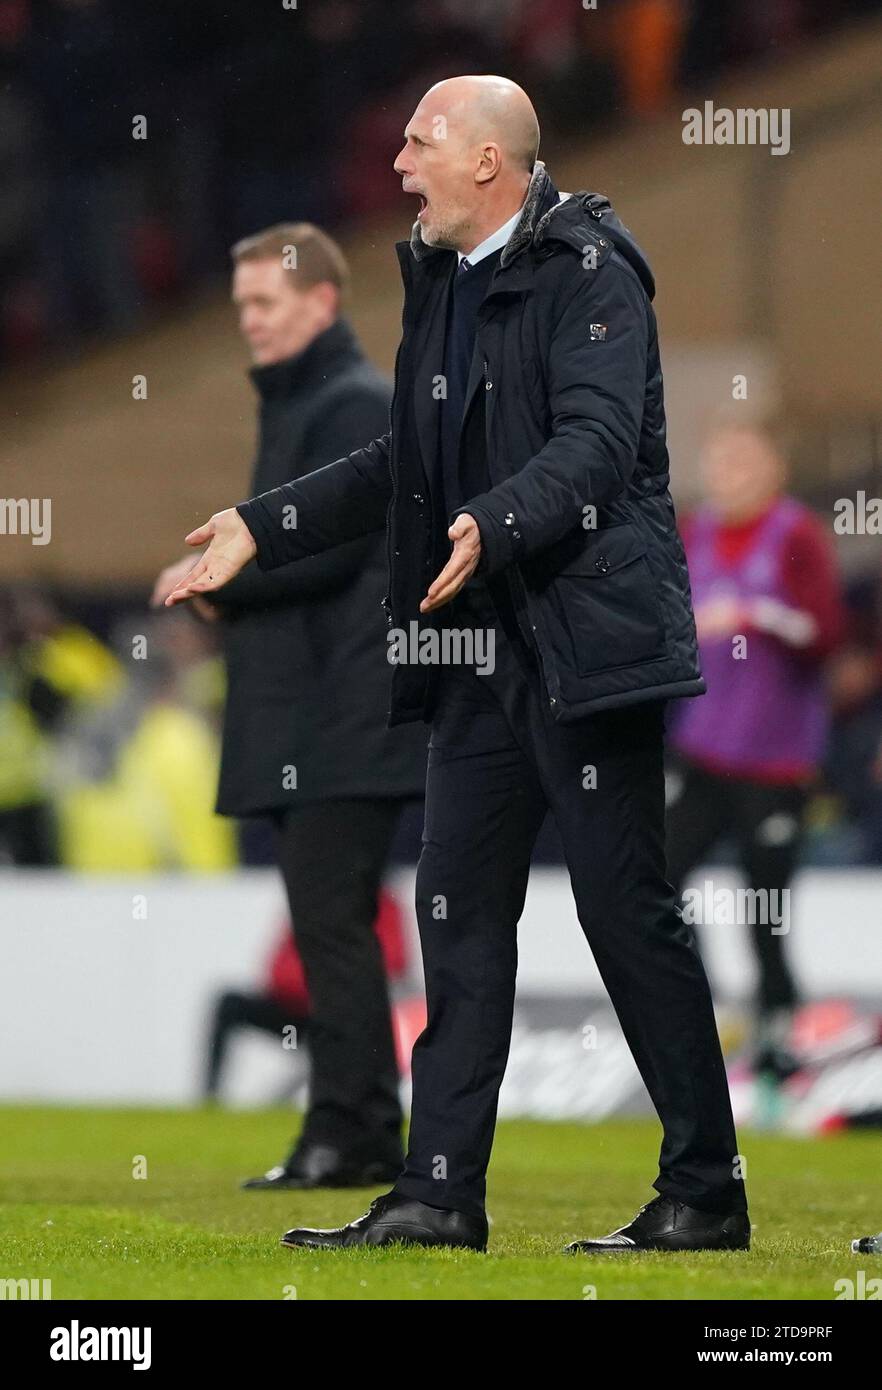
(136, 784)
(50, 667)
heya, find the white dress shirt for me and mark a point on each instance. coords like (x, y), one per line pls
(498, 238)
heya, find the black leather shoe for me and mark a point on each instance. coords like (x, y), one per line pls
(320, 1165)
(392, 1218)
(666, 1224)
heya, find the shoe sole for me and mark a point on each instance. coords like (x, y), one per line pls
(401, 1239)
(732, 1242)
(652, 1249)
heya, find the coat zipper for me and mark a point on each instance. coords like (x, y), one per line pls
(387, 601)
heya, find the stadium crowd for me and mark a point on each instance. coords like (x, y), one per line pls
(100, 224)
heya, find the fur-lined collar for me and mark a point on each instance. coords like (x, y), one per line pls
(526, 228)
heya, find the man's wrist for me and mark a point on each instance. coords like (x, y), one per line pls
(501, 543)
(249, 515)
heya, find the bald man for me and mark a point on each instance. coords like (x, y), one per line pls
(540, 619)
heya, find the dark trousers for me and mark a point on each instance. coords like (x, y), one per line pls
(497, 764)
(332, 855)
(28, 835)
(766, 824)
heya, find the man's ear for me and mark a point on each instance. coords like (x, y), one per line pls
(489, 163)
(326, 300)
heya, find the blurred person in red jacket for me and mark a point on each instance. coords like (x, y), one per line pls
(768, 610)
(284, 1001)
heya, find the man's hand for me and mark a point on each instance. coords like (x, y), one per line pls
(231, 546)
(461, 566)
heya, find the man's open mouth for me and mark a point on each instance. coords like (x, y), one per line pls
(424, 203)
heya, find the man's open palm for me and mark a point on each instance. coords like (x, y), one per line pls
(466, 539)
(231, 546)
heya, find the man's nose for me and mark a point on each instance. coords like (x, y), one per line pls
(400, 165)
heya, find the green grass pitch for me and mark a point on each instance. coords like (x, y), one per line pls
(72, 1212)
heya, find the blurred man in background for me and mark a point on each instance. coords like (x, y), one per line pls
(305, 741)
(768, 613)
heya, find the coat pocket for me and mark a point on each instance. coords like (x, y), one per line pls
(608, 602)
